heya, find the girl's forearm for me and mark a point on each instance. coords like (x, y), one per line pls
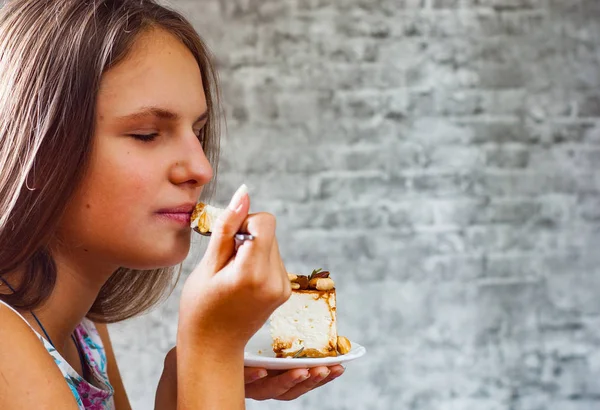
(166, 393)
(209, 376)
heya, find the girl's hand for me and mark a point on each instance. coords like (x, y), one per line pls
(229, 296)
(263, 385)
(260, 383)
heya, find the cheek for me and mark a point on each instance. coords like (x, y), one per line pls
(122, 190)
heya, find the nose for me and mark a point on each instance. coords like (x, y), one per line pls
(192, 166)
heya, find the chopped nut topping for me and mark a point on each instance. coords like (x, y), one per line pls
(343, 345)
(318, 280)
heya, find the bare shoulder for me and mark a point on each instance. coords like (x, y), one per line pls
(29, 378)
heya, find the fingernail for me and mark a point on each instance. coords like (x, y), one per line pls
(259, 375)
(322, 375)
(335, 376)
(302, 378)
(236, 200)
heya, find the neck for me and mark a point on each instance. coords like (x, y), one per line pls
(78, 284)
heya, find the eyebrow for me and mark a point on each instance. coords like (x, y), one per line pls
(161, 113)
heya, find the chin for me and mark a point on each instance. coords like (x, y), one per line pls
(154, 263)
(156, 257)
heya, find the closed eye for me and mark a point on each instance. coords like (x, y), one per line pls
(145, 137)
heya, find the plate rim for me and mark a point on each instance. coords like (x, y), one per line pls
(255, 360)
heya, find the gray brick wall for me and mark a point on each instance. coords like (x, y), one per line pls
(440, 157)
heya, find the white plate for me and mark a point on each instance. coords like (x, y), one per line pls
(258, 353)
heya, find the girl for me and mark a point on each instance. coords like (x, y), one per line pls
(108, 134)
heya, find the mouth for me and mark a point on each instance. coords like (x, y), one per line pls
(181, 214)
(187, 208)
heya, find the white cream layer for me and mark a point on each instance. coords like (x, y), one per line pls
(305, 320)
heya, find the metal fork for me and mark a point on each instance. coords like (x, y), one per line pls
(239, 237)
(298, 353)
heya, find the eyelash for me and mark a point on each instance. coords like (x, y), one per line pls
(152, 137)
(145, 137)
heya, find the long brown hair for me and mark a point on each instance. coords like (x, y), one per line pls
(53, 54)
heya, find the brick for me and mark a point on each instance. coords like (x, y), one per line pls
(433, 131)
(394, 52)
(426, 76)
(425, 242)
(592, 134)
(342, 217)
(510, 4)
(457, 211)
(556, 211)
(358, 188)
(374, 7)
(355, 51)
(376, 26)
(507, 156)
(403, 156)
(453, 268)
(574, 291)
(440, 183)
(408, 214)
(569, 132)
(356, 131)
(485, 23)
(507, 183)
(539, 237)
(500, 76)
(373, 158)
(343, 76)
(396, 105)
(288, 187)
(457, 103)
(244, 9)
(502, 265)
(589, 105)
(506, 211)
(588, 208)
(356, 105)
(493, 239)
(421, 103)
(490, 48)
(442, 4)
(587, 77)
(302, 109)
(455, 157)
(503, 102)
(265, 101)
(498, 131)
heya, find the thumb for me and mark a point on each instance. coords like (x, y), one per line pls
(222, 244)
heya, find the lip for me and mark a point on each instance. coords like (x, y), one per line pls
(181, 218)
(186, 208)
(180, 214)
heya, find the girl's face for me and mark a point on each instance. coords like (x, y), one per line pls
(147, 166)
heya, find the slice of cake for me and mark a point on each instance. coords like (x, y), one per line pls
(204, 216)
(305, 325)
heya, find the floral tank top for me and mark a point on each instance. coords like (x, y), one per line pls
(96, 393)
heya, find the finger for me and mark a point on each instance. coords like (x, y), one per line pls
(222, 244)
(257, 252)
(335, 372)
(279, 267)
(272, 387)
(252, 374)
(319, 377)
